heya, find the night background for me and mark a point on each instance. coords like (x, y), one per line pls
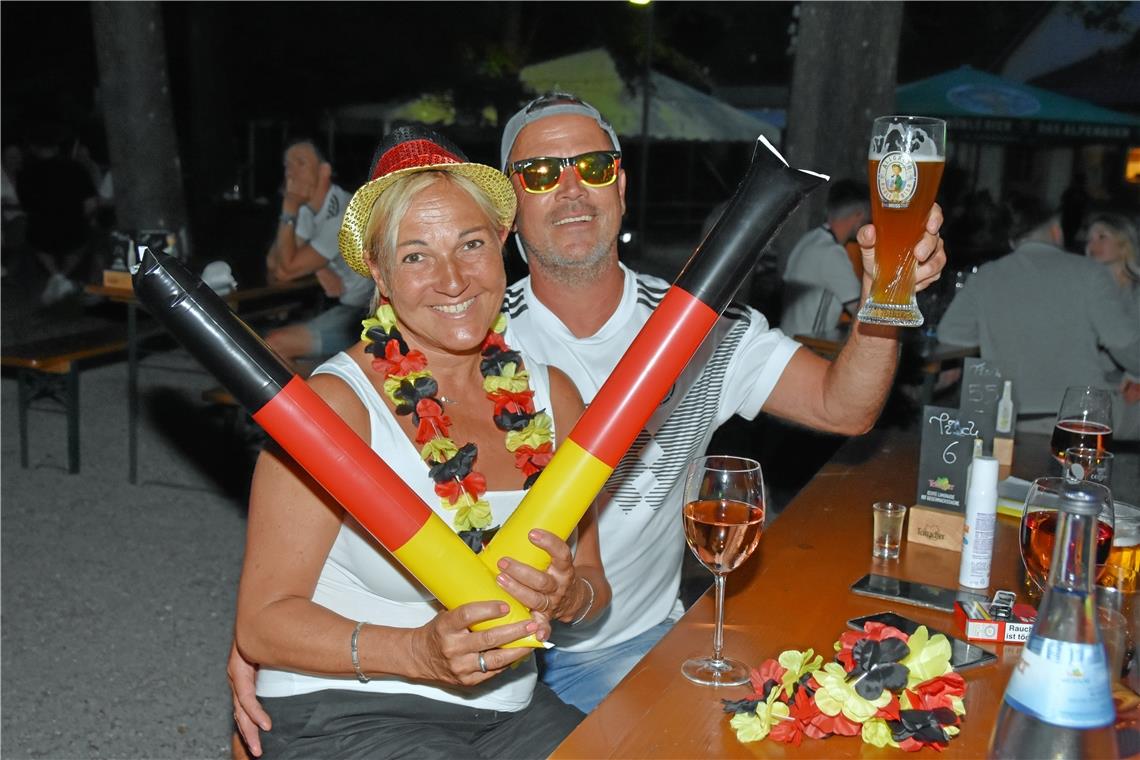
(245, 75)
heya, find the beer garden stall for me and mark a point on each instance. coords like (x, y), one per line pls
(1006, 134)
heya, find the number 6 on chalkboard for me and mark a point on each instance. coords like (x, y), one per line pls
(948, 456)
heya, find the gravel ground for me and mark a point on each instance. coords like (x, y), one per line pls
(118, 599)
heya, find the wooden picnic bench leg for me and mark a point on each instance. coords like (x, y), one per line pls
(71, 404)
(24, 383)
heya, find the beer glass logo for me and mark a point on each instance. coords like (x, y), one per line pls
(897, 179)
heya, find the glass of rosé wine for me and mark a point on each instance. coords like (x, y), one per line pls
(723, 518)
(1085, 420)
(1039, 523)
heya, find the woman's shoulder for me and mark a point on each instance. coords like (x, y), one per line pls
(331, 382)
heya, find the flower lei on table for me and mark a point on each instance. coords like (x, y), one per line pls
(888, 688)
(412, 389)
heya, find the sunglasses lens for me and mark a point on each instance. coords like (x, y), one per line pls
(541, 174)
(597, 169)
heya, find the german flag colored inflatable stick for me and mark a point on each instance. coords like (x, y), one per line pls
(767, 196)
(312, 433)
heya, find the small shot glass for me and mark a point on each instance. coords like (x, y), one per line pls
(1089, 464)
(888, 529)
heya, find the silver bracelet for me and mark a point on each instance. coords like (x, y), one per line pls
(589, 604)
(356, 654)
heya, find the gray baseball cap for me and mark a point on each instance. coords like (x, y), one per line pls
(550, 104)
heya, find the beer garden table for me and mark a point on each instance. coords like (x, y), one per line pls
(238, 300)
(794, 594)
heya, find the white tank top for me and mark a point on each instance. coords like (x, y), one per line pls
(361, 581)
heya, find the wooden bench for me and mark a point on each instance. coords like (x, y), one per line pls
(50, 368)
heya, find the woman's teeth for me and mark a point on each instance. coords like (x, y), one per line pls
(455, 308)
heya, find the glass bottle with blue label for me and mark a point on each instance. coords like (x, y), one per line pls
(1059, 699)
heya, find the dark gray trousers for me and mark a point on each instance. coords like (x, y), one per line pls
(352, 724)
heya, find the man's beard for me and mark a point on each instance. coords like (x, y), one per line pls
(571, 272)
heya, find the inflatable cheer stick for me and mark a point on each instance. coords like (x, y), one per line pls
(320, 441)
(767, 195)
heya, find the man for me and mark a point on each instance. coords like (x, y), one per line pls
(569, 235)
(306, 243)
(819, 281)
(1039, 314)
(59, 199)
(579, 309)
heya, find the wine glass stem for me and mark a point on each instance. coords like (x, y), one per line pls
(718, 631)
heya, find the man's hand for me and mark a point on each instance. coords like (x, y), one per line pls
(330, 283)
(248, 713)
(929, 252)
(298, 192)
(1130, 390)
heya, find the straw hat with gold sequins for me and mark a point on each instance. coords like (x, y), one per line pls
(408, 150)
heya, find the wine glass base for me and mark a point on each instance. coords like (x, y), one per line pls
(898, 315)
(709, 672)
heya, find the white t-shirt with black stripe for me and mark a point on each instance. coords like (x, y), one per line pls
(642, 540)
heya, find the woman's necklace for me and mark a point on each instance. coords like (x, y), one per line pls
(410, 387)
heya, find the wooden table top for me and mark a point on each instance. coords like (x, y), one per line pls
(794, 594)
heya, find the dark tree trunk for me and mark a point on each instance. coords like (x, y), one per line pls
(844, 76)
(131, 54)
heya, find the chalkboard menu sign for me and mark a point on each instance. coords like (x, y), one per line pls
(946, 449)
(981, 391)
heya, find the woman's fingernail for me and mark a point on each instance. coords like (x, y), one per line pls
(503, 564)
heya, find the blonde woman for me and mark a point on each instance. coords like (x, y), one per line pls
(356, 658)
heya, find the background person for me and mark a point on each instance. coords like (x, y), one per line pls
(59, 200)
(357, 659)
(1114, 242)
(819, 281)
(306, 243)
(1040, 315)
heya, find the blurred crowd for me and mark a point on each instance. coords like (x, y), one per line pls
(58, 212)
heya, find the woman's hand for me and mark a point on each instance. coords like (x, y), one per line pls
(550, 595)
(445, 651)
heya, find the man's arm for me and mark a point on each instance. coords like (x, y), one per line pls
(290, 258)
(846, 395)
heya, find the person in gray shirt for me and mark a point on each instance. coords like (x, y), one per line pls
(819, 281)
(1040, 314)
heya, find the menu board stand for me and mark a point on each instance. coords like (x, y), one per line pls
(946, 448)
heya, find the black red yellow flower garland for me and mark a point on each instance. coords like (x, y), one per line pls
(890, 689)
(412, 389)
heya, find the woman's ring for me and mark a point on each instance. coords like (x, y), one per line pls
(545, 603)
(482, 663)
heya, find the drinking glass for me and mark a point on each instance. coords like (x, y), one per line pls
(723, 518)
(1085, 420)
(1088, 464)
(904, 164)
(1039, 524)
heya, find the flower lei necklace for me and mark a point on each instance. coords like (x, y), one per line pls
(412, 390)
(890, 689)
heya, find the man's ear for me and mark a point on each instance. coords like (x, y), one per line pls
(325, 170)
(621, 188)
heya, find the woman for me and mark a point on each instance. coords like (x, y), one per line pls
(1113, 241)
(356, 657)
